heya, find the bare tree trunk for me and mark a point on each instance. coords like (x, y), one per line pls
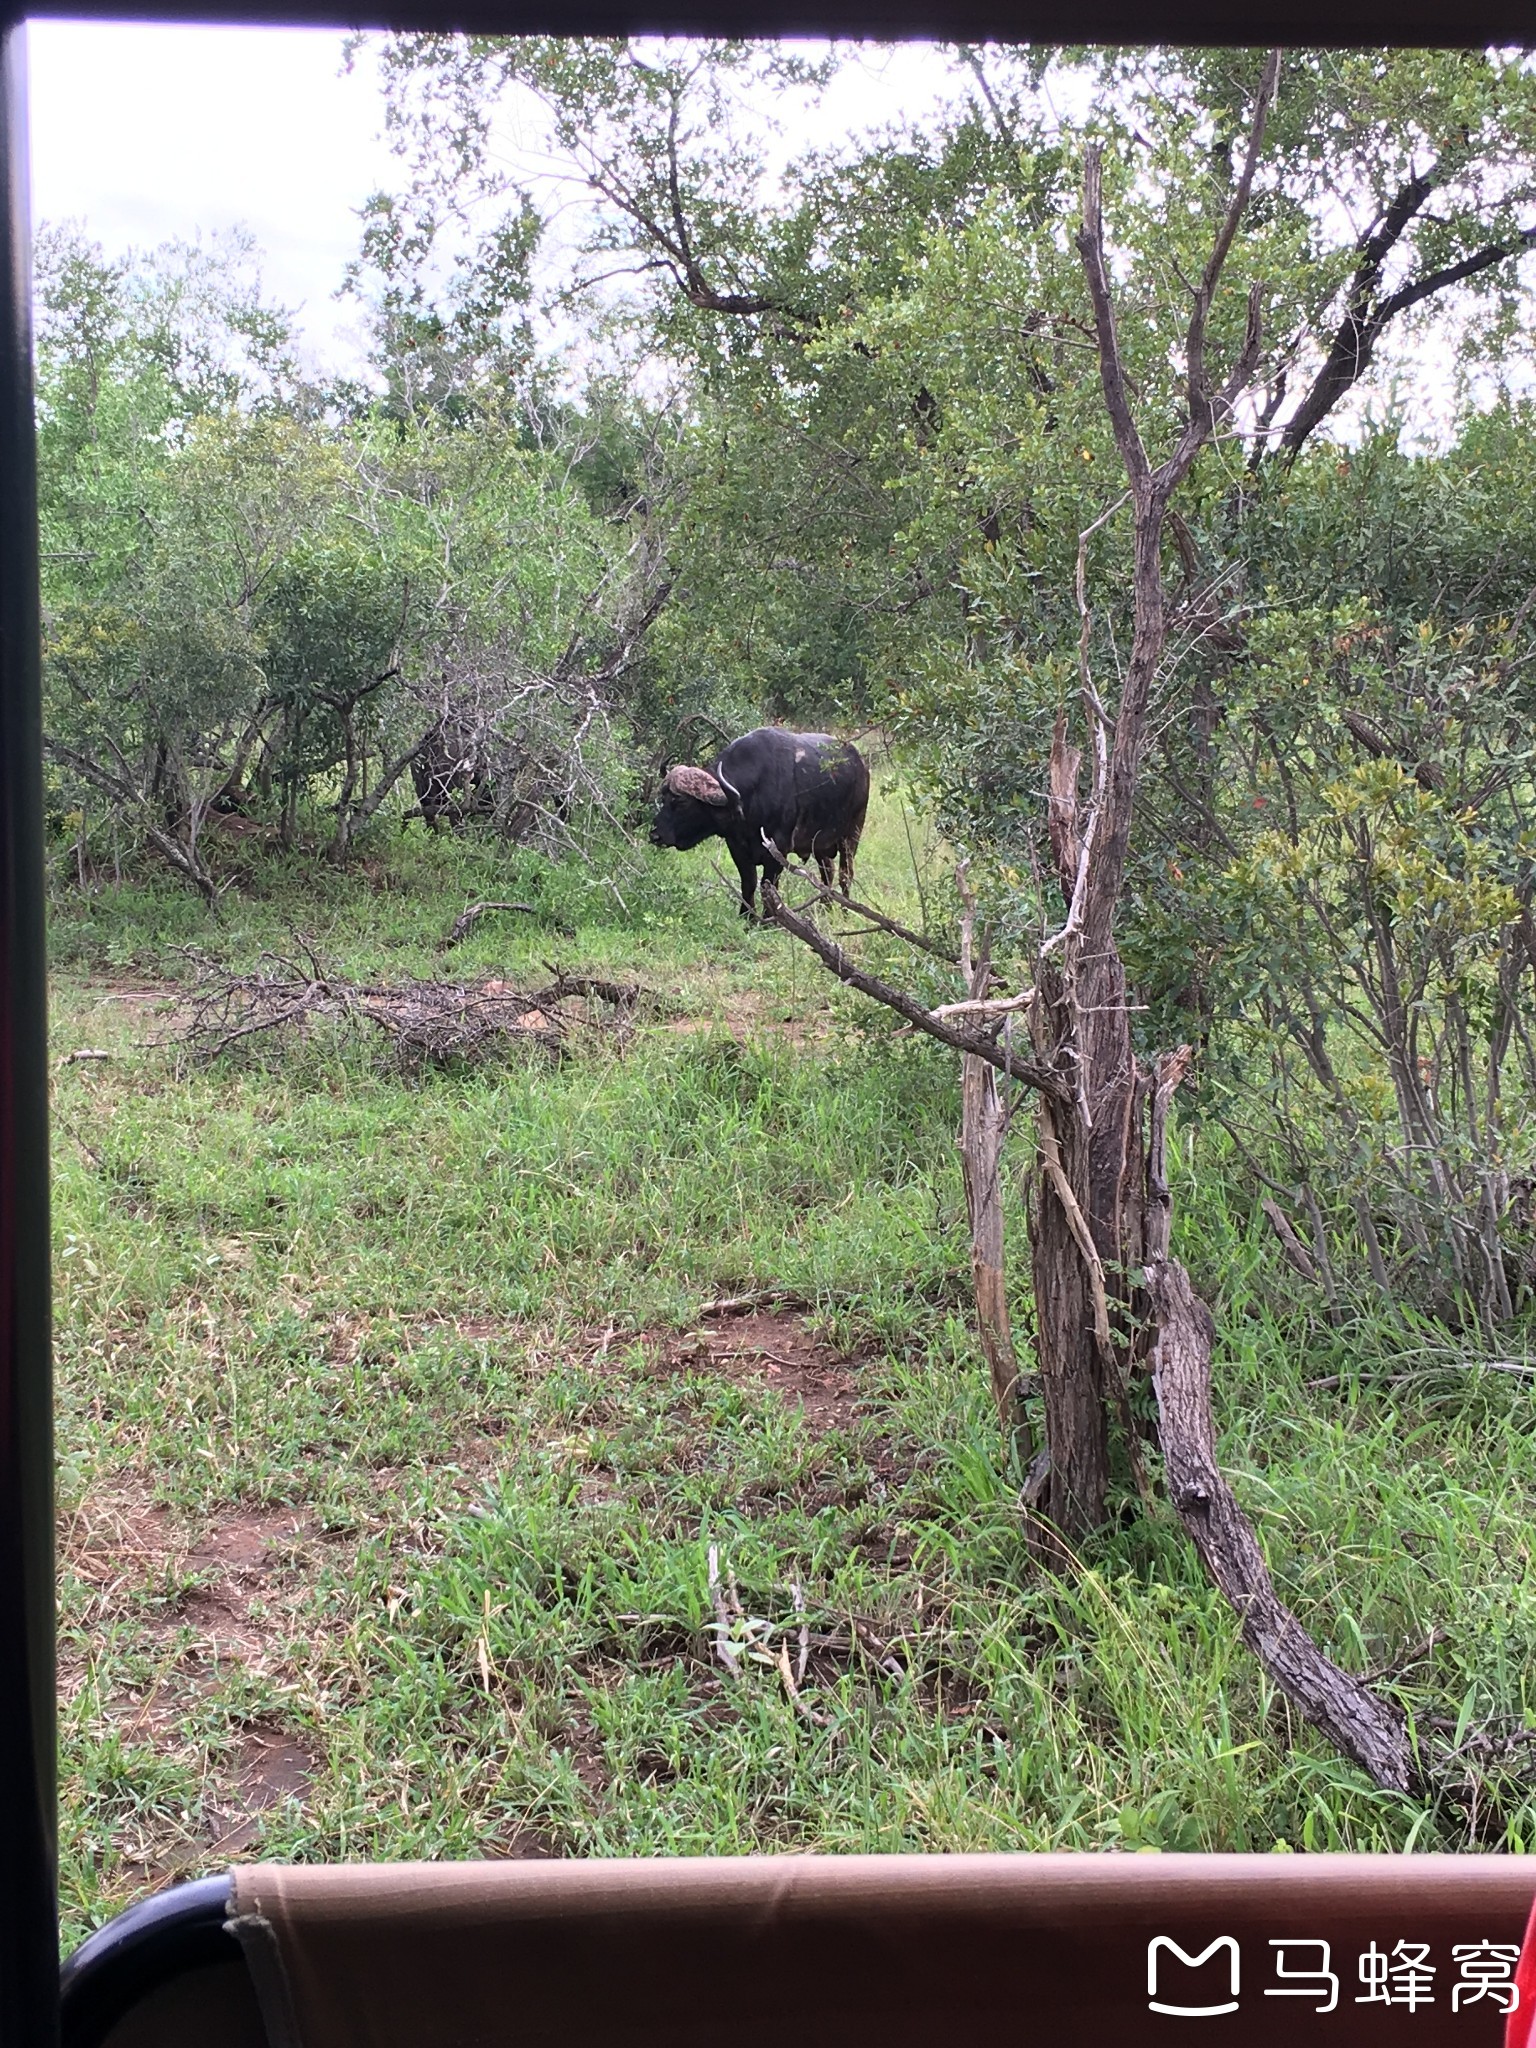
(982, 1127)
(1092, 1201)
(1106, 1293)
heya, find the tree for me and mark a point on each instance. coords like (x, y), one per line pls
(151, 668)
(1108, 1297)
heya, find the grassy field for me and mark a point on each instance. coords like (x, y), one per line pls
(396, 1444)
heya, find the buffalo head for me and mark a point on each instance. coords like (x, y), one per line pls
(691, 806)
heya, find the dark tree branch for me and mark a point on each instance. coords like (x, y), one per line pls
(878, 918)
(1206, 413)
(832, 956)
(970, 57)
(1090, 245)
(467, 919)
(1365, 318)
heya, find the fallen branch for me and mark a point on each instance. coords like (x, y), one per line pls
(723, 1621)
(1398, 1665)
(86, 1147)
(425, 1020)
(765, 1297)
(1334, 1381)
(834, 958)
(465, 922)
(792, 1691)
(622, 994)
(1369, 1731)
(874, 1649)
(794, 1677)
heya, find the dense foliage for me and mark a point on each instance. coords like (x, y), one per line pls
(837, 449)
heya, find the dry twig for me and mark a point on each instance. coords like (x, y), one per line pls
(723, 1648)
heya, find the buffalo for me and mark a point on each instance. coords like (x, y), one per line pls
(451, 777)
(771, 794)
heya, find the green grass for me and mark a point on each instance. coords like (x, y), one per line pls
(379, 1441)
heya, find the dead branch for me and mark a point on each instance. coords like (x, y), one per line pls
(1090, 244)
(86, 1147)
(429, 1021)
(1396, 1666)
(747, 1304)
(1335, 1382)
(875, 1649)
(1077, 1223)
(1301, 1259)
(723, 1622)
(821, 893)
(991, 1006)
(1206, 411)
(832, 956)
(469, 918)
(1061, 805)
(624, 995)
(1368, 1730)
(792, 1691)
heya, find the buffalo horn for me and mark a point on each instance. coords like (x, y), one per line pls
(697, 783)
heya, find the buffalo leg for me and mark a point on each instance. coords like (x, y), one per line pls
(747, 869)
(772, 869)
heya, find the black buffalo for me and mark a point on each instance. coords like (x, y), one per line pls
(769, 795)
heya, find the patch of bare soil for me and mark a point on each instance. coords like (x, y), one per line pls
(241, 1562)
(241, 1579)
(269, 1769)
(778, 1350)
(115, 1537)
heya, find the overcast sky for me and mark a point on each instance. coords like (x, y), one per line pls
(146, 133)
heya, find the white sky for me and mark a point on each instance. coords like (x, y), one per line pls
(147, 132)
